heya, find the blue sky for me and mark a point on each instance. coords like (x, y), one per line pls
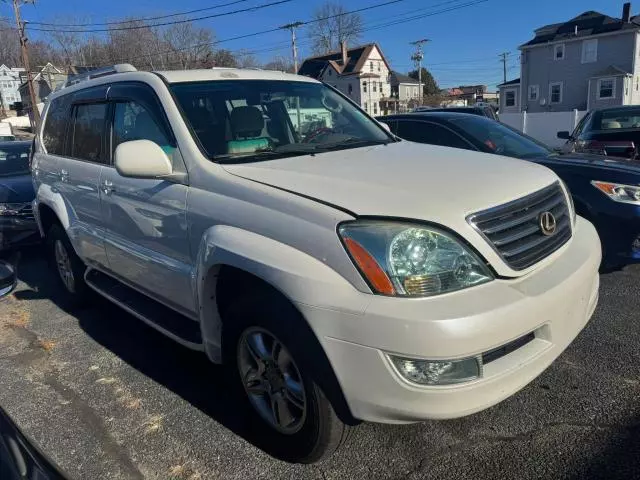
(464, 43)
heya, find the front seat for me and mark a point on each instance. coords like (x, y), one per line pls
(247, 124)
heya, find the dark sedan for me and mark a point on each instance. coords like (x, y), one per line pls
(612, 131)
(17, 224)
(605, 190)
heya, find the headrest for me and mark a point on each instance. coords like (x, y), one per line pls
(247, 122)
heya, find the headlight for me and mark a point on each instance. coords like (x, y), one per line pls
(571, 204)
(410, 260)
(9, 209)
(619, 192)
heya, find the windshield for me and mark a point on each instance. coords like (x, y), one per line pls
(500, 138)
(251, 120)
(14, 159)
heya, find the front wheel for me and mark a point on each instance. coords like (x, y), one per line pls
(295, 418)
(67, 267)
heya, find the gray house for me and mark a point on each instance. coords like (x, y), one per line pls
(403, 87)
(588, 62)
(509, 96)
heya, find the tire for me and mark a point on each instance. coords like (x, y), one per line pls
(318, 432)
(74, 289)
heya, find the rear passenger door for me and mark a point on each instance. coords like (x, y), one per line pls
(79, 170)
(146, 231)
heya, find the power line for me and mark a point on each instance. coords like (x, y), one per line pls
(144, 19)
(138, 27)
(263, 32)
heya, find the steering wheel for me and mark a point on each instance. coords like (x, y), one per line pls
(309, 137)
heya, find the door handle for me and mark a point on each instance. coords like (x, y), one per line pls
(107, 187)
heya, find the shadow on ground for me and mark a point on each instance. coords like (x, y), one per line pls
(187, 373)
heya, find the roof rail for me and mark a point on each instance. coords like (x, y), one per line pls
(100, 72)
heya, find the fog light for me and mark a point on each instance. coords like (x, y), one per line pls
(438, 372)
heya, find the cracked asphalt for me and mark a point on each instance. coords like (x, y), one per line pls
(108, 398)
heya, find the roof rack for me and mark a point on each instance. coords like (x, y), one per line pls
(100, 72)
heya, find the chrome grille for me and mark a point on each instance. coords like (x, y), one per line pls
(513, 229)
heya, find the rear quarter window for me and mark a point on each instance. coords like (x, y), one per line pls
(53, 133)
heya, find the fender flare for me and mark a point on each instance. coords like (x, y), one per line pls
(48, 197)
(298, 276)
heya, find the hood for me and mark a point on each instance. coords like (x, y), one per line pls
(16, 189)
(403, 179)
(408, 180)
(585, 160)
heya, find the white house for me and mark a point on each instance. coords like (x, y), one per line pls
(362, 73)
(9, 84)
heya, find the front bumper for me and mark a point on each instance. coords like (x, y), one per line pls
(18, 232)
(554, 303)
(619, 231)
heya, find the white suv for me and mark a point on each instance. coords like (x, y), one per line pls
(345, 275)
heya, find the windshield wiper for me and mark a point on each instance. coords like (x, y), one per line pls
(350, 143)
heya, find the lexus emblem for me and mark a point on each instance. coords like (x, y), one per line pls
(547, 223)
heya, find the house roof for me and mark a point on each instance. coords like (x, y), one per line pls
(515, 81)
(356, 56)
(400, 78)
(611, 71)
(587, 24)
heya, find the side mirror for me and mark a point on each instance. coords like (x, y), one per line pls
(142, 159)
(564, 135)
(385, 126)
(8, 279)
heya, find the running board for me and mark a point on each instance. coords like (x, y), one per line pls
(182, 329)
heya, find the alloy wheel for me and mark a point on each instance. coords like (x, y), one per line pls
(63, 262)
(272, 380)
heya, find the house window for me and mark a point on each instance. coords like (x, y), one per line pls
(534, 93)
(371, 66)
(330, 73)
(380, 87)
(555, 92)
(590, 50)
(366, 109)
(415, 91)
(375, 86)
(350, 88)
(510, 98)
(606, 88)
(558, 52)
(364, 88)
(375, 108)
(378, 66)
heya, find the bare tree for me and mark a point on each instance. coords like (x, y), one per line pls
(279, 63)
(224, 58)
(190, 46)
(247, 60)
(9, 44)
(333, 25)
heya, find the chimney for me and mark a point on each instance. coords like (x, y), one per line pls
(343, 50)
(626, 12)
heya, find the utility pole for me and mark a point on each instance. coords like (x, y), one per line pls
(503, 57)
(294, 49)
(417, 58)
(25, 61)
(3, 112)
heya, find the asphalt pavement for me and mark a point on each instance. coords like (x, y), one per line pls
(107, 397)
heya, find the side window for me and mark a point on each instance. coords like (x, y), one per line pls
(88, 132)
(132, 121)
(431, 133)
(55, 126)
(580, 127)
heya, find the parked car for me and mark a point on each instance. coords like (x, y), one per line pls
(344, 274)
(17, 223)
(483, 111)
(612, 131)
(6, 132)
(604, 190)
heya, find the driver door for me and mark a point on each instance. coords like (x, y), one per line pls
(146, 235)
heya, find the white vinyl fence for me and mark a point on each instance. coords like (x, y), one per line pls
(545, 125)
